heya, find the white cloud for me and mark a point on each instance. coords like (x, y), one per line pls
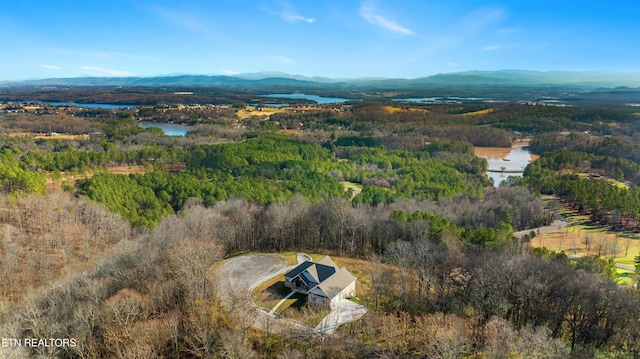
(290, 16)
(368, 12)
(110, 72)
(231, 72)
(51, 67)
(491, 47)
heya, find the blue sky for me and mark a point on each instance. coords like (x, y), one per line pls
(333, 38)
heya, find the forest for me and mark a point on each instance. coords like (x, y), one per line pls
(110, 235)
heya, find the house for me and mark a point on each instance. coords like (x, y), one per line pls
(324, 282)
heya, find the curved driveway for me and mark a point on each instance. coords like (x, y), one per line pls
(236, 278)
(237, 274)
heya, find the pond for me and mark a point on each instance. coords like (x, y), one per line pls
(167, 128)
(504, 161)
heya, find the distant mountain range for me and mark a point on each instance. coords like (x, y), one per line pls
(587, 80)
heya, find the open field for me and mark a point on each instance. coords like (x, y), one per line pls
(50, 136)
(355, 188)
(71, 178)
(611, 180)
(394, 109)
(476, 113)
(251, 111)
(584, 238)
(266, 112)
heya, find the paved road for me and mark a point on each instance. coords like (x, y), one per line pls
(554, 226)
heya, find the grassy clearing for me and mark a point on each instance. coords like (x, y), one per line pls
(610, 180)
(625, 277)
(393, 109)
(62, 137)
(353, 187)
(250, 111)
(476, 113)
(291, 257)
(360, 269)
(50, 136)
(582, 237)
(57, 181)
(270, 293)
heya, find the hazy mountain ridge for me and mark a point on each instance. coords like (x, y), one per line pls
(587, 80)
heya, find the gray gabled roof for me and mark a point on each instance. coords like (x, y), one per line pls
(327, 261)
(336, 283)
(297, 270)
(330, 279)
(324, 272)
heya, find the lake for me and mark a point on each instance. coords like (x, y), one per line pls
(448, 99)
(505, 162)
(89, 105)
(169, 129)
(318, 99)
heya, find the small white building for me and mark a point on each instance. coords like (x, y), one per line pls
(324, 282)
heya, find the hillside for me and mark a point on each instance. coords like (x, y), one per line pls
(505, 78)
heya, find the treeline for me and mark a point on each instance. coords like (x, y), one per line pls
(274, 169)
(580, 169)
(618, 147)
(336, 226)
(153, 295)
(14, 178)
(67, 159)
(573, 313)
(537, 119)
(144, 95)
(605, 202)
(190, 115)
(266, 170)
(617, 168)
(46, 123)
